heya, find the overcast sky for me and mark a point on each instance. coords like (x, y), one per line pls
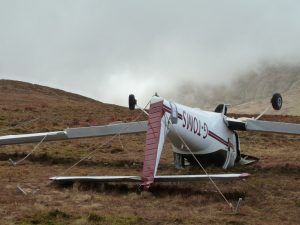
(109, 49)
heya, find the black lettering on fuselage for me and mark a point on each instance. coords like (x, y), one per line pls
(184, 118)
(195, 125)
(191, 123)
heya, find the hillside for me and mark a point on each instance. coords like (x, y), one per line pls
(250, 92)
(256, 90)
(270, 195)
(54, 109)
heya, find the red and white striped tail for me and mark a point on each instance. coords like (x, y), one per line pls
(154, 143)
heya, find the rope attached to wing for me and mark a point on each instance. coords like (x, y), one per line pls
(102, 145)
(83, 158)
(209, 177)
(35, 148)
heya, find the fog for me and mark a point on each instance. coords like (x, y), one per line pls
(109, 49)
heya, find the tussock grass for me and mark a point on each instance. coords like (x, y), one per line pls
(94, 218)
(53, 217)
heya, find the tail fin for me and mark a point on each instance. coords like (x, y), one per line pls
(155, 139)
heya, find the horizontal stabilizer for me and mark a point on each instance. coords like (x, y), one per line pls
(165, 178)
(75, 133)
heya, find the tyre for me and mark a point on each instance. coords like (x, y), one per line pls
(277, 101)
(131, 102)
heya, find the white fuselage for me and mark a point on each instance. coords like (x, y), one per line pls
(203, 132)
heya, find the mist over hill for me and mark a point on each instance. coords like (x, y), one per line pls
(250, 92)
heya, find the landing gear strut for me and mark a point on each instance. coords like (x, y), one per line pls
(178, 160)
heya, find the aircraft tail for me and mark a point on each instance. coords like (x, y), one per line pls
(154, 142)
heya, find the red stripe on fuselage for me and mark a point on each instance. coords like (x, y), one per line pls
(210, 133)
(213, 135)
(168, 109)
(218, 138)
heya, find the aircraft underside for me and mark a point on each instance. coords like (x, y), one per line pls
(224, 158)
(218, 158)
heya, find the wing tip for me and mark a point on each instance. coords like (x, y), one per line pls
(245, 175)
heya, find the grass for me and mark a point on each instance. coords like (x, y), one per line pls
(58, 217)
(270, 195)
(94, 218)
(53, 217)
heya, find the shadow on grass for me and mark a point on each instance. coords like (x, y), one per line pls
(157, 190)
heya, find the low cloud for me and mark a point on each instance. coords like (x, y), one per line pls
(109, 49)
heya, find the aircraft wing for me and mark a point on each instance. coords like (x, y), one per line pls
(262, 126)
(165, 178)
(75, 133)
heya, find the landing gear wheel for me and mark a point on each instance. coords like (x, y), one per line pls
(132, 102)
(277, 101)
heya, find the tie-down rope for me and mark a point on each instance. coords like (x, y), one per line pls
(209, 177)
(35, 148)
(105, 143)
